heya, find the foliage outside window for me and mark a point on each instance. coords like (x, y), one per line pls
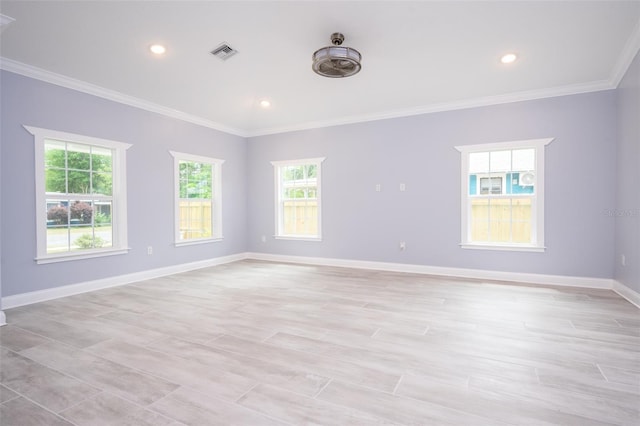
(502, 195)
(198, 198)
(298, 198)
(80, 196)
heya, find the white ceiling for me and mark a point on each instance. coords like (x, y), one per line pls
(418, 56)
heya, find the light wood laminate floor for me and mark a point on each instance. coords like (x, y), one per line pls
(258, 343)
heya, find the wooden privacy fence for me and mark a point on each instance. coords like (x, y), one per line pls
(301, 217)
(501, 220)
(195, 219)
(498, 219)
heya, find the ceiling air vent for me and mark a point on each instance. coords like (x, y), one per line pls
(224, 51)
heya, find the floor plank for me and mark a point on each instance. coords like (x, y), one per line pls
(265, 343)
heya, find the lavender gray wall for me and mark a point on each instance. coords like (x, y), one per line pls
(150, 183)
(627, 211)
(361, 224)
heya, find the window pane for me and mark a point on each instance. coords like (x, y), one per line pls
(78, 157)
(500, 161)
(84, 238)
(523, 183)
(57, 213)
(204, 181)
(54, 154)
(300, 218)
(102, 214)
(479, 162)
(56, 181)
(78, 182)
(70, 226)
(102, 183)
(81, 213)
(195, 180)
(524, 159)
(57, 239)
(500, 220)
(101, 159)
(521, 220)
(195, 219)
(183, 167)
(479, 220)
(292, 173)
(312, 171)
(57, 226)
(491, 185)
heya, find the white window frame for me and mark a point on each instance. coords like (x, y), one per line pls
(537, 214)
(119, 195)
(279, 202)
(216, 198)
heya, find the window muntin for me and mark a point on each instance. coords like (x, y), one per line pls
(198, 200)
(298, 198)
(80, 196)
(502, 195)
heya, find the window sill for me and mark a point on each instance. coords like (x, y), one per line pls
(79, 256)
(295, 238)
(198, 241)
(503, 247)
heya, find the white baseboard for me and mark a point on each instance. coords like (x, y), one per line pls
(519, 277)
(626, 292)
(525, 278)
(69, 290)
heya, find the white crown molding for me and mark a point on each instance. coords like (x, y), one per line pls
(629, 52)
(631, 48)
(572, 89)
(626, 292)
(91, 89)
(84, 287)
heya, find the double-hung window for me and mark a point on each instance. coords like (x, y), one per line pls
(503, 195)
(198, 199)
(80, 196)
(297, 186)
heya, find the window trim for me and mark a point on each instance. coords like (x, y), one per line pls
(279, 235)
(216, 188)
(119, 195)
(537, 230)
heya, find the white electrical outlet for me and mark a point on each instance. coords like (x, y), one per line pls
(403, 187)
(403, 245)
(149, 250)
(378, 187)
(263, 238)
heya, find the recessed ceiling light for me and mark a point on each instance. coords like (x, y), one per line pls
(265, 103)
(157, 49)
(508, 58)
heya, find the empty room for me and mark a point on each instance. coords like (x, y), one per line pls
(319, 212)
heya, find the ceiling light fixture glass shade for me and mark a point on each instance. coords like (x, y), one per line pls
(336, 61)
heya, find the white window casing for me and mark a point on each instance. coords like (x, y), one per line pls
(187, 235)
(118, 197)
(286, 228)
(536, 242)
